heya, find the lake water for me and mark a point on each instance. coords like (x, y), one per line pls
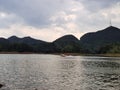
(53, 72)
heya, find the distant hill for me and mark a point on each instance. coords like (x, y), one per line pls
(3, 44)
(27, 40)
(14, 39)
(4, 41)
(37, 45)
(67, 43)
(95, 40)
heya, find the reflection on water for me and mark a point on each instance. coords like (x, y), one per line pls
(53, 72)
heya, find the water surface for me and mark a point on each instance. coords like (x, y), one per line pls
(53, 72)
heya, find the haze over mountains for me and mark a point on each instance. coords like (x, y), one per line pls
(89, 43)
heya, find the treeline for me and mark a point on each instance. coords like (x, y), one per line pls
(54, 48)
(110, 49)
(22, 47)
(16, 47)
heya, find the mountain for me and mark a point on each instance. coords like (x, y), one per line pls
(37, 45)
(14, 39)
(3, 44)
(27, 40)
(3, 41)
(67, 43)
(94, 40)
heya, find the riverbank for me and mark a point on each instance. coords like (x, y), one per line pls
(65, 54)
(17, 53)
(79, 54)
(109, 55)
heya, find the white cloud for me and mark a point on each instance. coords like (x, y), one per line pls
(48, 34)
(48, 20)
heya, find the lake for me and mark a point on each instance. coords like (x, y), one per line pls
(54, 72)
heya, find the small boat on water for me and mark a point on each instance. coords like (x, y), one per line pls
(65, 55)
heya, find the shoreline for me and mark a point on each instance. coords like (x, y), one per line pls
(66, 54)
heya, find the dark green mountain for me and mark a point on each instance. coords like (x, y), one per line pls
(110, 49)
(37, 45)
(3, 41)
(4, 44)
(95, 40)
(28, 40)
(14, 39)
(67, 43)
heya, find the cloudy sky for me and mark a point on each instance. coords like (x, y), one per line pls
(50, 19)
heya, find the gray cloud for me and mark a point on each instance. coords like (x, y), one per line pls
(96, 5)
(38, 12)
(34, 12)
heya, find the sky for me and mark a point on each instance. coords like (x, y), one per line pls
(50, 19)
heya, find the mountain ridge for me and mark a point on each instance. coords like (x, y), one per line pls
(89, 42)
(100, 38)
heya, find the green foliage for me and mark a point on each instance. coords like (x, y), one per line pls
(16, 47)
(68, 48)
(111, 48)
(20, 47)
